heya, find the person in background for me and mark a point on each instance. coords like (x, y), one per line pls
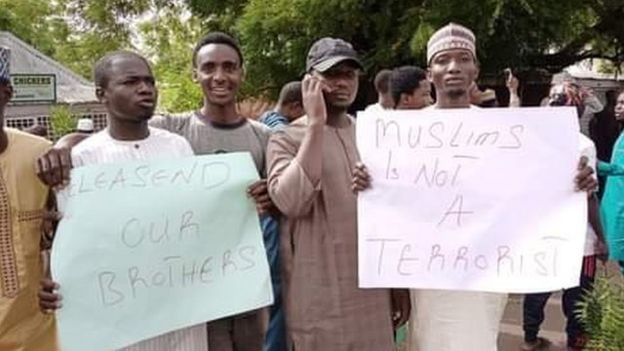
(590, 100)
(84, 129)
(382, 86)
(289, 107)
(410, 88)
(567, 94)
(593, 105)
(85, 126)
(512, 84)
(38, 130)
(612, 205)
(604, 130)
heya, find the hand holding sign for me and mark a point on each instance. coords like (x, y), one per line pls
(361, 178)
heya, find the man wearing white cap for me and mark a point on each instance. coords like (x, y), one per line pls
(454, 320)
(460, 320)
(23, 201)
(84, 129)
(85, 125)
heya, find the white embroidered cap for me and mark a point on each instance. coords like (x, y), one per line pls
(452, 36)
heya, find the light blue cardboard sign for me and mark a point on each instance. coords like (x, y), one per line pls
(145, 248)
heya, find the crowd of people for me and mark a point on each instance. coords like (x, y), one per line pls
(305, 152)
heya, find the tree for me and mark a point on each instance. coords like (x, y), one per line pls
(74, 32)
(525, 34)
(78, 32)
(34, 21)
(170, 35)
(277, 34)
(97, 27)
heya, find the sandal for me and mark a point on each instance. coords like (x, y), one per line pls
(540, 344)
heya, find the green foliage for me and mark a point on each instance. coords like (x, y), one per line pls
(170, 37)
(97, 27)
(526, 35)
(62, 121)
(602, 312)
(74, 32)
(277, 34)
(34, 21)
(609, 67)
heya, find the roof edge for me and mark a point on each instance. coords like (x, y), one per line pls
(32, 50)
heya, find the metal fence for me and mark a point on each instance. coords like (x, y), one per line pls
(99, 123)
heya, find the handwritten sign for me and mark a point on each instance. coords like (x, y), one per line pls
(147, 248)
(471, 199)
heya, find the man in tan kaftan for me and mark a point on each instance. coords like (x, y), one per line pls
(23, 200)
(310, 173)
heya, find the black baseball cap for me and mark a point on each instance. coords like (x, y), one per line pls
(328, 52)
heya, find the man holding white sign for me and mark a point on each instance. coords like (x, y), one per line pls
(452, 232)
(165, 250)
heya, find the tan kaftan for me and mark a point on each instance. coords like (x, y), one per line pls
(23, 197)
(325, 309)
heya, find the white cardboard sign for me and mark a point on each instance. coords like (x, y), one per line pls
(471, 199)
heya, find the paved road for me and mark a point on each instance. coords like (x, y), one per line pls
(553, 327)
(511, 328)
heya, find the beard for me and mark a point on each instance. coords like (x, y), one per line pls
(456, 93)
(336, 106)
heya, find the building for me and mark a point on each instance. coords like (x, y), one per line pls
(42, 86)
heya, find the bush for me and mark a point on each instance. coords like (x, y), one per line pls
(602, 313)
(62, 121)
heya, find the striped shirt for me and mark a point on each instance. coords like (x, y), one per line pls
(101, 148)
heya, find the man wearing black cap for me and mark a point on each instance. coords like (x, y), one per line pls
(310, 173)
